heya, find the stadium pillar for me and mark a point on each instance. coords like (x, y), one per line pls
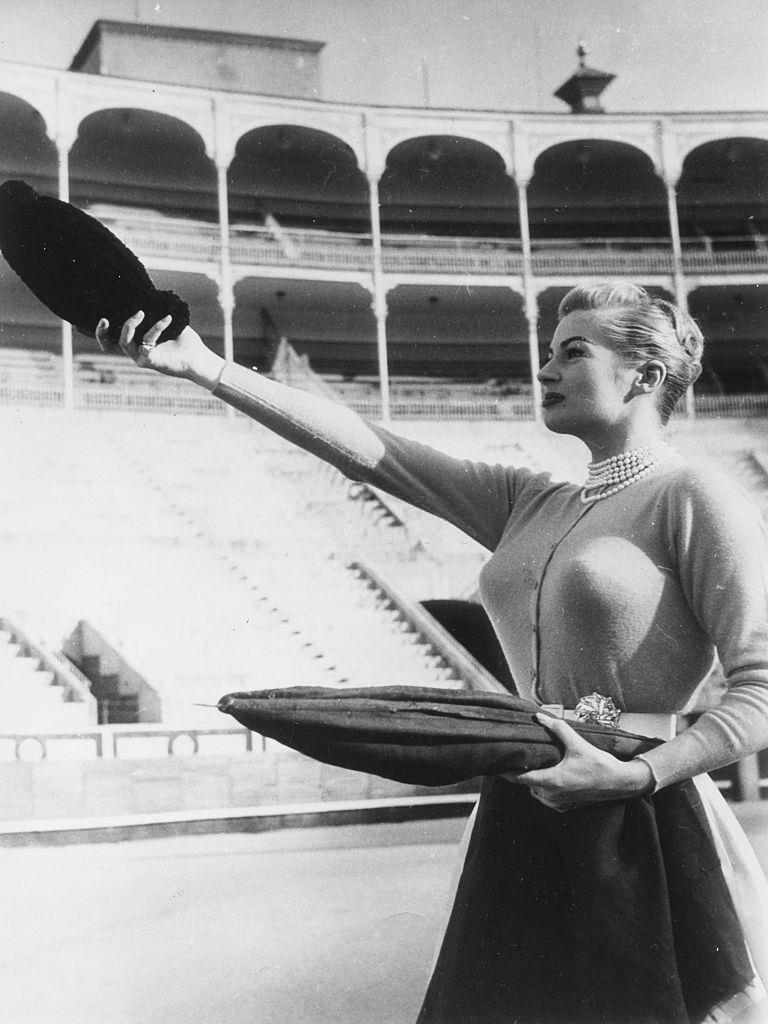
(681, 294)
(225, 265)
(226, 290)
(67, 357)
(379, 297)
(531, 303)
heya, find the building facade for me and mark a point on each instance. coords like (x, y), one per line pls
(395, 243)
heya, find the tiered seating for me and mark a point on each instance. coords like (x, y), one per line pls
(112, 382)
(29, 376)
(435, 398)
(26, 366)
(215, 555)
(100, 382)
(260, 515)
(188, 543)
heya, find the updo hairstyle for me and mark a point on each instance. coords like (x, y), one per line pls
(644, 327)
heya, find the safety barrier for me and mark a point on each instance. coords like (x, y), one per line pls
(186, 240)
(110, 742)
(134, 398)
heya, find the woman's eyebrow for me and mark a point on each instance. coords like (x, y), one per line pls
(567, 341)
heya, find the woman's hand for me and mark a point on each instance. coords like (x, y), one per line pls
(185, 356)
(585, 775)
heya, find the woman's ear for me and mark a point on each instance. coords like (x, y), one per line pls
(649, 377)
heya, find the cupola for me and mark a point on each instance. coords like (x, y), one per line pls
(582, 90)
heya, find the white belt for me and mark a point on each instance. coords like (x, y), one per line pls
(604, 712)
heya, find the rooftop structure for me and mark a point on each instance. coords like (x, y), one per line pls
(583, 89)
(231, 61)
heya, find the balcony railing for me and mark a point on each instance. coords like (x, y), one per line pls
(414, 254)
(198, 241)
(602, 256)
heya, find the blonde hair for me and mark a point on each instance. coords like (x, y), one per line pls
(645, 327)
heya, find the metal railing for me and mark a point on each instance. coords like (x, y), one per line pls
(132, 397)
(127, 742)
(170, 238)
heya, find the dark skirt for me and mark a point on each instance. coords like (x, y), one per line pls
(612, 914)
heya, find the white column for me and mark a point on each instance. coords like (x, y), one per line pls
(681, 292)
(67, 356)
(226, 290)
(531, 302)
(227, 303)
(226, 298)
(379, 297)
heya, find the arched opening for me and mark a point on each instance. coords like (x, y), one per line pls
(722, 201)
(444, 185)
(127, 157)
(597, 207)
(297, 177)
(723, 193)
(328, 323)
(733, 320)
(459, 333)
(27, 152)
(468, 623)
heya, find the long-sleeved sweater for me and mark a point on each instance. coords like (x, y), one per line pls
(630, 596)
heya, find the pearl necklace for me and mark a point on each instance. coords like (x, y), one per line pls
(619, 471)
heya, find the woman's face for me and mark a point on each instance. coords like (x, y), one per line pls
(586, 383)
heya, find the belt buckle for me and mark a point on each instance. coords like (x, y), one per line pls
(595, 709)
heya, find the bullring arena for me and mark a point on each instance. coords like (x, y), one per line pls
(160, 551)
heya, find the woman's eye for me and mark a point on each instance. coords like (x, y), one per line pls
(570, 352)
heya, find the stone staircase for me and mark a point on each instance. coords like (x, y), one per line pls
(31, 696)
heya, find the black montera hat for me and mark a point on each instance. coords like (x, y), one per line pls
(77, 267)
(418, 735)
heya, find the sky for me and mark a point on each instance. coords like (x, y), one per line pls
(668, 55)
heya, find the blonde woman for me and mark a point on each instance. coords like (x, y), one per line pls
(618, 592)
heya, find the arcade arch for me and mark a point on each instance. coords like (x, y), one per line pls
(330, 322)
(471, 332)
(595, 188)
(732, 319)
(27, 151)
(448, 185)
(723, 193)
(134, 157)
(300, 176)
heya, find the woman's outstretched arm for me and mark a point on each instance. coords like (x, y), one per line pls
(474, 496)
(330, 430)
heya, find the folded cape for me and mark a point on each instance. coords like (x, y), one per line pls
(77, 267)
(417, 735)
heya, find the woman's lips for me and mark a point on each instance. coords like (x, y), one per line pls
(552, 399)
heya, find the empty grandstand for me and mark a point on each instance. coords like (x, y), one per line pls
(388, 245)
(410, 261)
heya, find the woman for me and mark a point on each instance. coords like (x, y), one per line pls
(623, 588)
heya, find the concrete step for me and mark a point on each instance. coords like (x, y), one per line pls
(24, 675)
(12, 693)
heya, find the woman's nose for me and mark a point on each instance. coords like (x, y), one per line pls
(547, 372)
